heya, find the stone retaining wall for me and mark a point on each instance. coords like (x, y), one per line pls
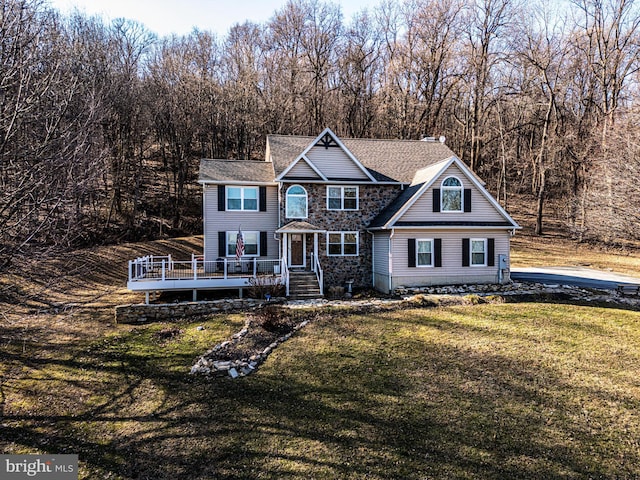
(143, 313)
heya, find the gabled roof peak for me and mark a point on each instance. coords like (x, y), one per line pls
(383, 160)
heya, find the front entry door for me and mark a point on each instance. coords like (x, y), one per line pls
(296, 250)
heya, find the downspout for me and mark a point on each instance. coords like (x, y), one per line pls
(204, 221)
(373, 260)
(393, 231)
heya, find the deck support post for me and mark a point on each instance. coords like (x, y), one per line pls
(240, 292)
(195, 295)
(146, 297)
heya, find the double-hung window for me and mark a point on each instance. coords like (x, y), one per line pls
(479, 252)
(424, 252)
(242, 198)
(342, 198)
(251, 243)
(342, 244)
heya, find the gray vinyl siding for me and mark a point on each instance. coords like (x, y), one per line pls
(216, 221)
(333, 162)
(481, 208)
(301, 170)
(381, 261)
(452, 272)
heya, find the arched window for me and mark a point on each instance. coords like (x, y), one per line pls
(296, 202)
(451, 195)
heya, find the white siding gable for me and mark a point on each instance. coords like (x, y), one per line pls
(301, 169)
(482, 209)
(334, 163)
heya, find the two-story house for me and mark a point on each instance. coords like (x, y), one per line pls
(363, 212)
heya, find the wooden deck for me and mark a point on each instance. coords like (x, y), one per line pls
(152, 273)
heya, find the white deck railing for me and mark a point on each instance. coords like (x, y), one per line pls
(315, 262)
(165, 268)
(285, 275)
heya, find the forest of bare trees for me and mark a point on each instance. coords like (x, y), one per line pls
(102, 125)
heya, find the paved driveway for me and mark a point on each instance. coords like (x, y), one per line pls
(578, 276)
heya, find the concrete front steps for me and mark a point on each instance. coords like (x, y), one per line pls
(303, 285)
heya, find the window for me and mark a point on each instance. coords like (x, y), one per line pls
(424, 253)
(251, 243)
(479, 252)
(342, 198)
(296, 202)
(451, 195)
(342, 243)
(242, 198)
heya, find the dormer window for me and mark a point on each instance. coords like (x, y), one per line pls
(451, 195)
(296, 202)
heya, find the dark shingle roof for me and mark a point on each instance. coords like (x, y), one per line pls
(249, 171)
(386, 160)
(390, 210)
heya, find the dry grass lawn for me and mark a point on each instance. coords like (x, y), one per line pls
(488, 391)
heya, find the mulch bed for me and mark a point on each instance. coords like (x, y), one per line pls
(264, 327)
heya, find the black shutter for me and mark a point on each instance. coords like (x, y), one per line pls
(466, 246)
(436, 199)
(222, 200)
(437, 246)
(491, 252)
(222, 244)
(411, 251)
(467, 199)
(263, 199)
(263, 244)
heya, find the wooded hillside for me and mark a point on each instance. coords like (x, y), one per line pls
(102, 125)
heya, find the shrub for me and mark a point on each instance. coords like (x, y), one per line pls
(473, 299)
(272, 318)
(424, 300)
(336, 292)
(263, 286)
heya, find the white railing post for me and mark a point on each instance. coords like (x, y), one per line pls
(163, 272)
(319, 274)
(130, 267)
(194, 264)
(255, 267)
(225, 268)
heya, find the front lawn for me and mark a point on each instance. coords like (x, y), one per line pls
(487, 391)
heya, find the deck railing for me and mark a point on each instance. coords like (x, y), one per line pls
(285, 276)
(315, 262)
(165, 268)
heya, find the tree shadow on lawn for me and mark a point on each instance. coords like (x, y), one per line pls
(364, 404)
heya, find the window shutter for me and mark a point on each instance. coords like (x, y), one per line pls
(436, 199)
(491, 252)
(437, 247)
(466, 247)
(222, 244)
(222, 200)
(263, 244)
(263, 199)
(411, 251)
(467, 199)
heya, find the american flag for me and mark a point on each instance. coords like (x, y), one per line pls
(239, 245)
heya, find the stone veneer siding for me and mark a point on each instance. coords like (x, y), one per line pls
(372, 199)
